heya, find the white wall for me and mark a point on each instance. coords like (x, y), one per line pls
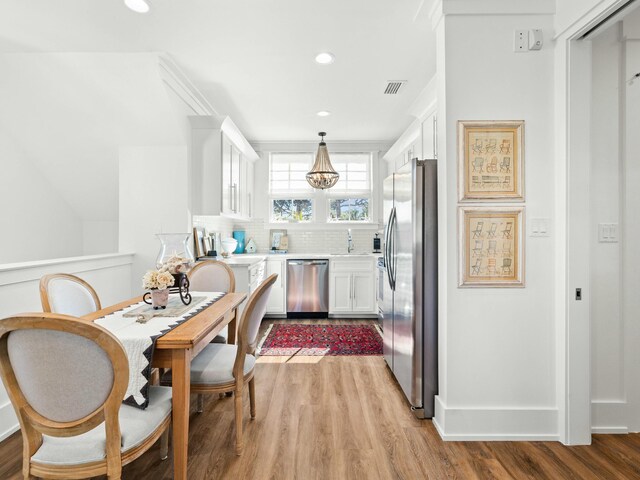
(99, 236)
(36, 222)
(497, 346)
(109, 274)
(153, 199)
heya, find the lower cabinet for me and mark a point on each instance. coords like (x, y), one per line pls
(248, 278)
(340, 294)
(277, 304)
(352, 286)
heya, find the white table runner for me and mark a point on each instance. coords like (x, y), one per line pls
(139, 340)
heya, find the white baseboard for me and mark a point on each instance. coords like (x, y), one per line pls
(496, 424)
(610, 430)
(8, 421)
(609, 416)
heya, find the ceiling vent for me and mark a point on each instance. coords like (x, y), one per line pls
(394, 86)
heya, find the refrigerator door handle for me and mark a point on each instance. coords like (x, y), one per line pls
(391, 248)
(387, 262)
(394, 259)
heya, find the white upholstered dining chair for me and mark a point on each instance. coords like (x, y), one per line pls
(213, 276)
(68, 295)
(66, 379)
(221, 368)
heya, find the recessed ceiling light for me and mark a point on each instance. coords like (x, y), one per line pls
(325, 58)
(140, 6)
(323, 113)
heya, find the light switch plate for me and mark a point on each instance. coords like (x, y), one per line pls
(608, 232)
(540, 227)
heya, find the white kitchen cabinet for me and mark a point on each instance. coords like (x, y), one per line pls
(352, 286)
(235, 181)
(222, 168)
(227, 202)
(246, 183)
(363, 292)
(248, 274)
(340, 294)
(277, 304)
(429, 136)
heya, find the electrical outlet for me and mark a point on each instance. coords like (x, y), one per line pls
(521, 41)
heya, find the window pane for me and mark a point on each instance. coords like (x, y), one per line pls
(287, 172)
(349, 210)
(354, 170)
(289, 210)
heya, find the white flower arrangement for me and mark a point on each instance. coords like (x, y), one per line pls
(157, 279)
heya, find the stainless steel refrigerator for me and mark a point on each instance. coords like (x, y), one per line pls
(410, 322)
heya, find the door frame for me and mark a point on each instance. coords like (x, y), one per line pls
(573, 154)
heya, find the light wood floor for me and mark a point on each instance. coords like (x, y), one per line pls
(344, 418)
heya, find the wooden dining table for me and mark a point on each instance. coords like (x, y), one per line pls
(175, 350)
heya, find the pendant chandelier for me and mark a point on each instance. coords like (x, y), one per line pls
(322, 175)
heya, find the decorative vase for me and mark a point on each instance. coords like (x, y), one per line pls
(159, 298)
(174, 245)
(239, 236)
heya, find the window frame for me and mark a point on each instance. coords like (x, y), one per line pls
(320, 199)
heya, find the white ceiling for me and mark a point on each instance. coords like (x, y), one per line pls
(253, 59)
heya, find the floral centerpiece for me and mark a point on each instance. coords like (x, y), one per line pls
(158, 283)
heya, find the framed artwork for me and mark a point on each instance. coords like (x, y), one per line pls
(491, 161)
(491, 246)
(198, 240)
(278, 240)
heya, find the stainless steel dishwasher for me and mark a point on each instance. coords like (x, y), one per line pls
(308, 288)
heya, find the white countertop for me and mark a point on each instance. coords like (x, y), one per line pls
(250, 259)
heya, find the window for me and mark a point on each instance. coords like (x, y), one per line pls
(292, 210)
(292, 200)
(349, 210)
(349, 200)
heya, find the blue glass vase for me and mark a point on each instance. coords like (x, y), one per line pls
(239, 236)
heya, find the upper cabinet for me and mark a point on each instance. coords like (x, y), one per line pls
(418, 141)
(221, 168)
(429, 137)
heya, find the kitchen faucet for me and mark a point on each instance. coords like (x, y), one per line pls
(350, 245)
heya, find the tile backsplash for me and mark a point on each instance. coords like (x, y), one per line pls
(329, 240)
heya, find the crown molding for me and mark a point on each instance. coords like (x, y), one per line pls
(342, 146)
(178, 82)
(495, 7)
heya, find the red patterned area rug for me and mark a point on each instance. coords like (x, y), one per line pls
(319, 340)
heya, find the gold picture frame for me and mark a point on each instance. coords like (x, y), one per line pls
(491, 161)
(491, 246)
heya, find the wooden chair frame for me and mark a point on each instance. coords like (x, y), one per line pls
(33, 425)
(244, 348)
(44, 289)
(204, 263)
